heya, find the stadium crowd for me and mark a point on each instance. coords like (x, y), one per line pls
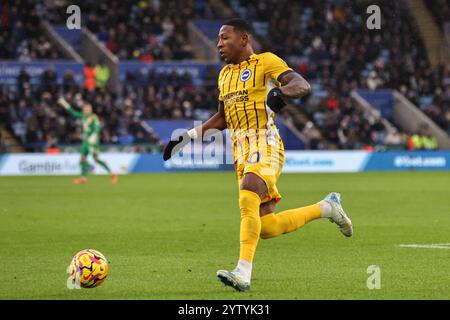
(439, 109)
(440, 10)
(326, 41)
(140, 30)
(345, 125)
(39, 123)
(22, 36)
(33, 116)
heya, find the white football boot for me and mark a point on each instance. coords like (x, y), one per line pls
(338, 215)
(234, 279)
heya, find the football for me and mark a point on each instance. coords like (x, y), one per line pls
(88, 269)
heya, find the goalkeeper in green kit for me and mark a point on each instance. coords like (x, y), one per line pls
(91, 139)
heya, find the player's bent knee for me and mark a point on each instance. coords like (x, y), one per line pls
(267, 208)
(269, 226)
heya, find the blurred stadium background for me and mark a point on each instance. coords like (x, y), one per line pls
(149, 67)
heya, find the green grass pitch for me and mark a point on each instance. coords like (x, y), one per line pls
(166, 235)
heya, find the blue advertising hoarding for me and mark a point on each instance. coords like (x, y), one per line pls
(9, 71)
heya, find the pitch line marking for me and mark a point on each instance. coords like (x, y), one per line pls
(427, 246)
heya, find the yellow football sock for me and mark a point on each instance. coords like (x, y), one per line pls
(249, 203)
(272, 225)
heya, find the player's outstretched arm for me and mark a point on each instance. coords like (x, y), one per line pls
(293, 86)
(217, 121)
(63, 103)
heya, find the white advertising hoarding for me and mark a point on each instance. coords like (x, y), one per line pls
(324, 161)
(62, 164)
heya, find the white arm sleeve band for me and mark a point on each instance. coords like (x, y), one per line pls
(193, 133)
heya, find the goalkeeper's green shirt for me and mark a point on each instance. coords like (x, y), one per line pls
(91, 125)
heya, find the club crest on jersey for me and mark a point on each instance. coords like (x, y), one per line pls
(245, 75)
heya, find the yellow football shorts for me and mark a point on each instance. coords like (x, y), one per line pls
(265, 159)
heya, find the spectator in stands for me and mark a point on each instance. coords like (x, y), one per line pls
(52, 144)
(69, 82)
(23, 81)
(2, 144)
(396, 140)
(49, 80)
(313, 136)
(374, 81)
(34, 136)
(102, 75)
(89, 77)
(423, 139)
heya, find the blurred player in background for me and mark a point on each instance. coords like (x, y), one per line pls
(251, 90)
(91, 139)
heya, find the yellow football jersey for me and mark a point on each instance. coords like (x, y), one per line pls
(243, 90)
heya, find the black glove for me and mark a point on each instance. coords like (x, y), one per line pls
(275, 100)
(175, 145)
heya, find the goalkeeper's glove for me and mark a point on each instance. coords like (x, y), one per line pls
(275, 100)
(175, 145)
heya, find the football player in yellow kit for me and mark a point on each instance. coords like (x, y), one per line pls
(251, 90)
